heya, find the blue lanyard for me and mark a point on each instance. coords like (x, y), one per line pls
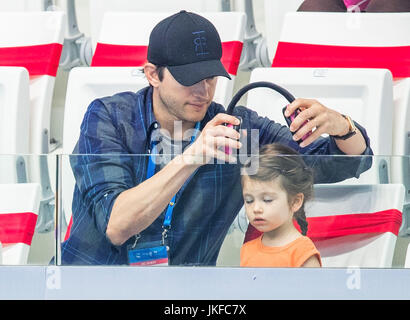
(151, 172)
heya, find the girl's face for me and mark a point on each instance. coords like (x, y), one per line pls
(267, 204)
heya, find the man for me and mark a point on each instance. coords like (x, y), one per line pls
(122, 201)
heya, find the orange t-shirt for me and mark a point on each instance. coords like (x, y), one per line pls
(255, 254)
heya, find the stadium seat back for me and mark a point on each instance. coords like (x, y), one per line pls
(353, 40)
(98, 8)
(356, 225)
(345, 40)
(14, 123)
(364, 94)
(275, 12)
(22, 5)
(19, 206)
(34, 40)
(401, 135)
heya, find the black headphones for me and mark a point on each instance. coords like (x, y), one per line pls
(259, 84)
(264, 84)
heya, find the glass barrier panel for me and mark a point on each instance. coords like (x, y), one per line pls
(260, 211)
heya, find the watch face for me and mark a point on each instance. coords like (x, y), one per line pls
(352, 129)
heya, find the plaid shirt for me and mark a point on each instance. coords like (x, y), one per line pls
(112, 157)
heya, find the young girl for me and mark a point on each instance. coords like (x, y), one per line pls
(274, 196)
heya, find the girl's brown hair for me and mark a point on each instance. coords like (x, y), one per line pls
(276, 160)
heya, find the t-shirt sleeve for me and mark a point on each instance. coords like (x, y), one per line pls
(303, 252)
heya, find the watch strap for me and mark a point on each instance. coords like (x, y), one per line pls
(351, 132)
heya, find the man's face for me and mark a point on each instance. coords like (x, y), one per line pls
(186, 103)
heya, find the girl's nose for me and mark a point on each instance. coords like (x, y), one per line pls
(257, 208)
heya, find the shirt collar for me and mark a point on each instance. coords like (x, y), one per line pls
(152, 121)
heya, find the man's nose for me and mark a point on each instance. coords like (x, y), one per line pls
(201, 89)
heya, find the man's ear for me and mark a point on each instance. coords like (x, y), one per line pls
(297, 202)
(150, 71)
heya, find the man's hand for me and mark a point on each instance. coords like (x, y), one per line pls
(212, 141)
(321, 118)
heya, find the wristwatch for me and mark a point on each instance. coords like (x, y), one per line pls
(352, 129)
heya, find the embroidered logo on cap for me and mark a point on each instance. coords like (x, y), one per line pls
(200, 43)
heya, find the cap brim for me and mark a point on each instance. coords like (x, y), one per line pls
(189, 74)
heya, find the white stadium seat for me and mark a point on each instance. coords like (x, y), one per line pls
(22, 5)
(86, 84)
(353, 40)
(401, 135)
(345, 40)
(364, 94)
(98, 8)
(14, 123)
(34, 40)
(19, 206)
(356, 225)
(275, 11)
(117, 46)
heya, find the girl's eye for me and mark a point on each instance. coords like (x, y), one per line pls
(248, 201)
(267, 200)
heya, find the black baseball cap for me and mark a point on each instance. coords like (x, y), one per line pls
(189, 46)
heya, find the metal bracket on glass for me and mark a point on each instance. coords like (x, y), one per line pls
(405, 227)
(47, 4)
(226, 5)
(21, 170)
(405, 165)
(383, 172)
(45, 220)
(255, 51)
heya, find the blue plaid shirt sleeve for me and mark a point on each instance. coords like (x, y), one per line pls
(100, 175)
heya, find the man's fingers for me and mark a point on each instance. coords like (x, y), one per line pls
(305, 129)
(305, 115)
(226, 142)
(315, 134)
(222, 118)
(298, 103)
(222, 131)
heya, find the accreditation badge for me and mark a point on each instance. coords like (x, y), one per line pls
(149, 254)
